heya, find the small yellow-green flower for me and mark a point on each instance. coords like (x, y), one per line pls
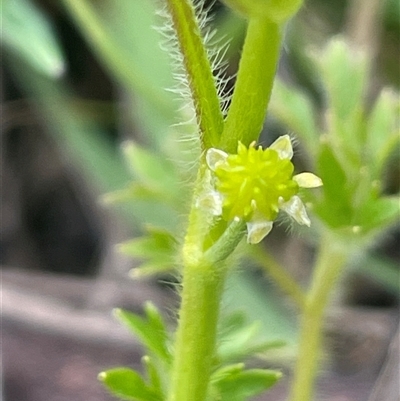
(256, 183)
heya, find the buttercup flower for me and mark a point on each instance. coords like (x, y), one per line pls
(256, 183)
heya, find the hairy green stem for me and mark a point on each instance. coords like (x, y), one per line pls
(198, 70)
(205, 248)
(253, 84)
(202, 287)
(331, 260)
(280, 276)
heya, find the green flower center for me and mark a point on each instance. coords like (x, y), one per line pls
(254, 181)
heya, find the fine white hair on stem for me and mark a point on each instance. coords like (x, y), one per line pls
(216, 49)
(186, 108)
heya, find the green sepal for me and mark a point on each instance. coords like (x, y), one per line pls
(128, 385)
(233, 383)
(150, 330)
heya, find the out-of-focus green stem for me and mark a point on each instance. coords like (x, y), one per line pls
(330, 262)
(280, 276)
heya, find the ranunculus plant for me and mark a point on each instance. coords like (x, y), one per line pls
(239, 189)
(209, 192)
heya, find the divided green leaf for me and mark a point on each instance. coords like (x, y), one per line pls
(152, 170)
(335, 206)
(383, 129)
(238, 340)
(157, 249)
(152, 373)
(233, 383)
(344, 72)
(149, 329)
(296, 111)
(128, 385)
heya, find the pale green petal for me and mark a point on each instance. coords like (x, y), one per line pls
(258, 230)
(210, 201)
(296, 209)
(308, 180)
(214, 157)
(283, 145)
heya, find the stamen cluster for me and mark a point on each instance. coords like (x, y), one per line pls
(256, 183)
